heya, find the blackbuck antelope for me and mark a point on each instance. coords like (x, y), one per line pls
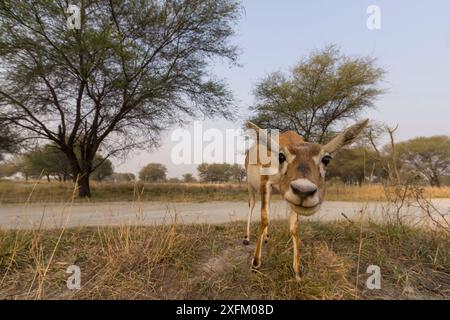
(297, 170)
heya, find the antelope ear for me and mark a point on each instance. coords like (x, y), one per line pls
(251, 125)
(346, 137)
(268, 140)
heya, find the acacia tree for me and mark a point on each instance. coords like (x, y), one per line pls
(321, 91)
(46, 161)
(427, 156)
(355, 165)
(387, 156)
(237, 172)
(153, 172)
(188, 177)
(131, 70)
(104, 170)
(49, 161)
(215, 172)
(119, 176)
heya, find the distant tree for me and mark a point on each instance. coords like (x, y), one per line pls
(49, 161)
(119, 177)
(104, 168)
(445, 180)
(215, 172)
(428, 157)
(354, 166)
(387, 155)
(131, 70)
(22, 164)
(320, 92)
(188, 177)
(53, 162)
(44, 161)
(238, 172)
(153, 172)
(8, 140)
(174, 180)
(7, 169)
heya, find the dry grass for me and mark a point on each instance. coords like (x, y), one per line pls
(375, 192)
(19, 192)
(209, 262)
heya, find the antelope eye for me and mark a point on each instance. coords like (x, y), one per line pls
(281, 158)
(326, 160)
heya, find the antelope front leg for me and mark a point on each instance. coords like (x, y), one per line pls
(265, 199)
(296, 243)
(266, 234)
(251, 205)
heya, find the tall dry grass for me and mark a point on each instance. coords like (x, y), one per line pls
(19, 191)
(42, 191)
(209, 262)
(375, 192)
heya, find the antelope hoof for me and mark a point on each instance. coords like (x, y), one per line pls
(298, 273)
(256, 264)
(246, 242)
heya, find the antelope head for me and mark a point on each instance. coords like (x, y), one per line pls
(302, 169)
(302, 166)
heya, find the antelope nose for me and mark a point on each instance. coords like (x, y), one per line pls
(303, 187)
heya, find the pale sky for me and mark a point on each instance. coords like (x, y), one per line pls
(413, 45)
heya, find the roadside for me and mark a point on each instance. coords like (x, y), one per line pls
(43, 192)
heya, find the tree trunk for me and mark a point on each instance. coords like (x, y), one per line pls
(80, 177)
(81, 170)
(84, 188)
(360, 182)
(435, 181)
(75, 171)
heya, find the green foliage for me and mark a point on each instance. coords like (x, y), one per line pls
(188, 177)
(49, 161)
(237, 172)
(320, 91)
(44, 161)
(153, 172)
(104, 168)
(220, 172)
(8, 140)
(7, 169)
(428, 157)
(354, 166)
(122, 177)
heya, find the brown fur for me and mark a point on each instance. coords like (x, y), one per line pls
(304, 166)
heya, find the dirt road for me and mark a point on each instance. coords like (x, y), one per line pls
(151, 213)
